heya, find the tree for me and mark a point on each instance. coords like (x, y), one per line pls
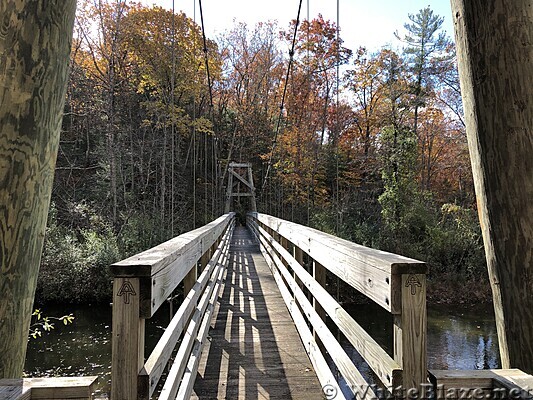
(424, 45)
(35, 48)
(494, 54)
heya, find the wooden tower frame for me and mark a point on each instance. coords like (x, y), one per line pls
(243, 174)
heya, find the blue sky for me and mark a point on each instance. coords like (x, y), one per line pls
(369, 23)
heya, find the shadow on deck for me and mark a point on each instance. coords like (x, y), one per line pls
(254, 350)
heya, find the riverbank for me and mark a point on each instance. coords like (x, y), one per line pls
(453, 290)
(442, 289)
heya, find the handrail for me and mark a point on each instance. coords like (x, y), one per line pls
(394, 282)
(141, 284)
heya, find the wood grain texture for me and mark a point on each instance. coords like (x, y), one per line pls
(413, 331)
(331, 346)
(387, 370)
(367, 270)
(127, 341)
(494, 49)
(35, 39)
(254, 350)
(158, 359)
(163, 267)
(515, 380)
(74, 387)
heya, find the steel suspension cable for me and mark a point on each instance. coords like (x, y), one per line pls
(291, 56)
(172, 129)
(214, 192)
(206, 57)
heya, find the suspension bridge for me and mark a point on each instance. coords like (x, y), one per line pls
(258, 321)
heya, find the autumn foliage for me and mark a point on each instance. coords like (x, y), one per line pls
(369, 144)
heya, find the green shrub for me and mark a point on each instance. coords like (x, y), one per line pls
(75, 265)
(455, 244)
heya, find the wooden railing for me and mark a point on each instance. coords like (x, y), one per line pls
(396, 283)
(140, 286)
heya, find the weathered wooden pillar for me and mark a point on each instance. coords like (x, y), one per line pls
(229, 191)
(190, 280)
(252, 190)
(127, 342)
(298, 255)
(495, 52)
(35, 40)
(410, 330)
(319, 273)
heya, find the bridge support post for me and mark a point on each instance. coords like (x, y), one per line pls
(410, 331)
(319, 273)
(190, 280)
(205, 259)
(298, 255)
(494, 48)
(127, 354)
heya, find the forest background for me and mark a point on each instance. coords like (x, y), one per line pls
(369, 146)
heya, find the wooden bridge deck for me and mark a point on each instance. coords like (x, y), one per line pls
(254, 351)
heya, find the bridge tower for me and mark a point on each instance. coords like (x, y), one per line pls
(244, 179)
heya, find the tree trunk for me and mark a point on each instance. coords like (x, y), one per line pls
(494, 43)
(35, 39)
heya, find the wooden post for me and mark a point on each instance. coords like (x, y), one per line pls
(127, 344)
(252, 189)
(410, 332)
(285, 244)
(190, 280)
(205, 259)
(319, 273)
(298, 255)
(229, 191)
(494, 51)
(35, 42)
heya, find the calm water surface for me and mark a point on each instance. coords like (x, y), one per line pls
(457, 339)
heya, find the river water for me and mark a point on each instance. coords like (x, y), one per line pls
(457, 339)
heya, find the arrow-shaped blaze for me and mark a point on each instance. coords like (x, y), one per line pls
(126, 290)
(413, 281)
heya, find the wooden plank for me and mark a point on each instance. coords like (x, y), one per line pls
(414, 330)
(319, 274)
(229, 189)
(190, 279)
(240, 178)
(189, 376)
(14, 389)
(205, 258)
(322, 369)
(516, 383)
(163, 267)
(127, 349)
(346, 367)
(75, 387)
(175, 374)
(251, 179)
(387, 370)
(243, 194)
(151, 261)
(240, 165)
(367, 270)
(154, 366)
(388, 262)
(254, 350)
(166, 280)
